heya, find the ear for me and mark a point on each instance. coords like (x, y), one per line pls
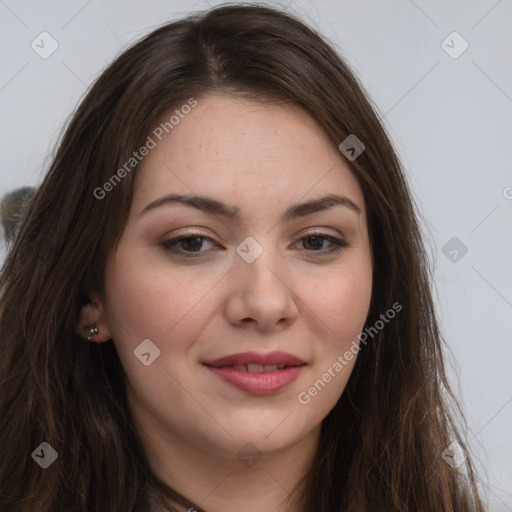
(94, 314)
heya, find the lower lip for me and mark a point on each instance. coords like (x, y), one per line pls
(262, 383)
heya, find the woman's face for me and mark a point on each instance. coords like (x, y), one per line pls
(266, 280)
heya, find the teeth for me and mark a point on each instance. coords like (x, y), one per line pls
(255, 368)
(258, 368)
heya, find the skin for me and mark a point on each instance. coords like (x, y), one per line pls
(262, 158)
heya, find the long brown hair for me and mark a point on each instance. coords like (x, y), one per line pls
(381, 445)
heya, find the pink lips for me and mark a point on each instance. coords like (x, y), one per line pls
(279, 358)
(256, 373)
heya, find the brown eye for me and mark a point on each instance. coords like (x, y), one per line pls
(315, 242)
(186, 245)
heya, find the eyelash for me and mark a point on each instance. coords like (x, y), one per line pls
(338, 244)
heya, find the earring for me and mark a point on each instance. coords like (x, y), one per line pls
(93, 331)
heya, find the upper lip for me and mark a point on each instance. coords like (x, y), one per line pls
(271, 358)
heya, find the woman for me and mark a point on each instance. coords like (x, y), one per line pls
(220, 297)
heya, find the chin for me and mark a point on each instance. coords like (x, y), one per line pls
(262, 437)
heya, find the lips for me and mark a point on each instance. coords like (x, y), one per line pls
(259, 374)
(255, 362)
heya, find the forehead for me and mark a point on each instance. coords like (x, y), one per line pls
(251, 153)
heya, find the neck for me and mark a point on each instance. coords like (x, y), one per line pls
(215, 483)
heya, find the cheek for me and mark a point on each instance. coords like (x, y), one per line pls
(342, 303)
(148, 300)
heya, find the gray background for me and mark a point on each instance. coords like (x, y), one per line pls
(450, 119)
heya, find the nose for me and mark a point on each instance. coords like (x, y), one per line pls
(261, 293)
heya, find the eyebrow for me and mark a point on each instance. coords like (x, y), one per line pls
(212, 206)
